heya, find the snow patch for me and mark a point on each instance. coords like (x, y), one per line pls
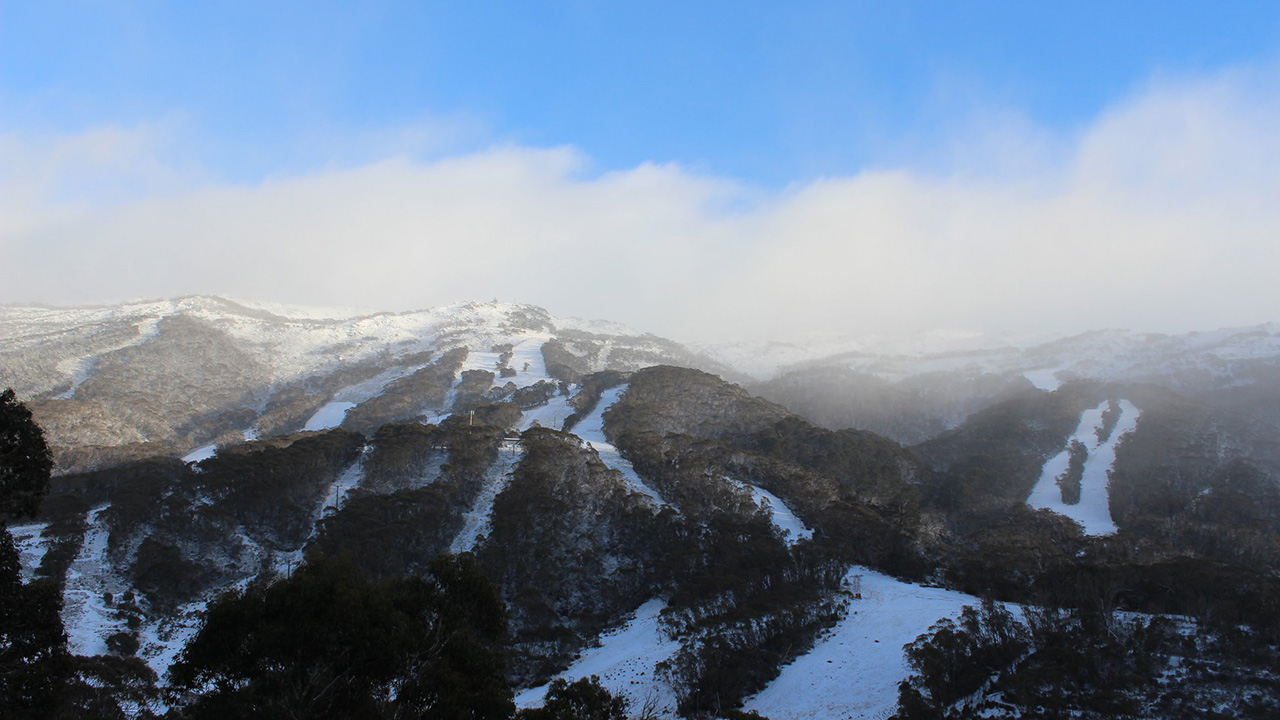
(79, 369)
(1044, 378)
(329, 416)
(625, 660)
(161, 641)
(31, 545)
(1093, 512)
(201, 453)
(854, 669)
(591, 430)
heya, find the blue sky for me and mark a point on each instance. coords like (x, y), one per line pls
(725, 135)
(767, 92)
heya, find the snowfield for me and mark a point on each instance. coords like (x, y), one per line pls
(1093, 512)
(854, 669)
(624, 659)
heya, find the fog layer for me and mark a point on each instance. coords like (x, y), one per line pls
(1162, 214)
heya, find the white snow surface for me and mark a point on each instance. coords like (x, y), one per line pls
(1044, 378)
(203, 452)
(1093, 512)
(80, 368)
(29, 540)
(329, 416)
(85, 615)
(161, 641)
(292, 342)
(341, 489)
(591, 430)
(854, 669)
(526, 360)
(624, 660)
(477, 520)
(550, 415)
(792, 527)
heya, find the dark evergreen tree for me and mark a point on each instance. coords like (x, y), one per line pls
(34, 664)
(25, 460)
(583, 699)
(329, 643)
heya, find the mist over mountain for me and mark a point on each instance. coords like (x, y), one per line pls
(721, 528)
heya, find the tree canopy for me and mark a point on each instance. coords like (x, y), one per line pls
(330, 643)
(33, 655)
(25, 460)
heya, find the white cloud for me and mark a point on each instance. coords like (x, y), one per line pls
(1162, 214)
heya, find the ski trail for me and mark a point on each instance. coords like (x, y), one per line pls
(85, 615)
(161, 640)
(329, 416)
(591, 430)
(334, 412)
(624, 659)
(81, 368)
(476, 521)
(853, 671)
(331, 502)
(551, 415)
(1093, 512)
(793, 528)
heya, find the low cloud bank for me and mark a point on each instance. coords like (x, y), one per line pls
(1161, 215)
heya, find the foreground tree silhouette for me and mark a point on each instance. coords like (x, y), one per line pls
(583, 699)
(25, 461)
(34, 664)
(329, 643)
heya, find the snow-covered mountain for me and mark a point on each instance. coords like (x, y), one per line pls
(1111, 355)
(695, 545)
(117, 382)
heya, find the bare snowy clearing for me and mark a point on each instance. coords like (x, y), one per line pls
(625, 660)
(853, 671)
